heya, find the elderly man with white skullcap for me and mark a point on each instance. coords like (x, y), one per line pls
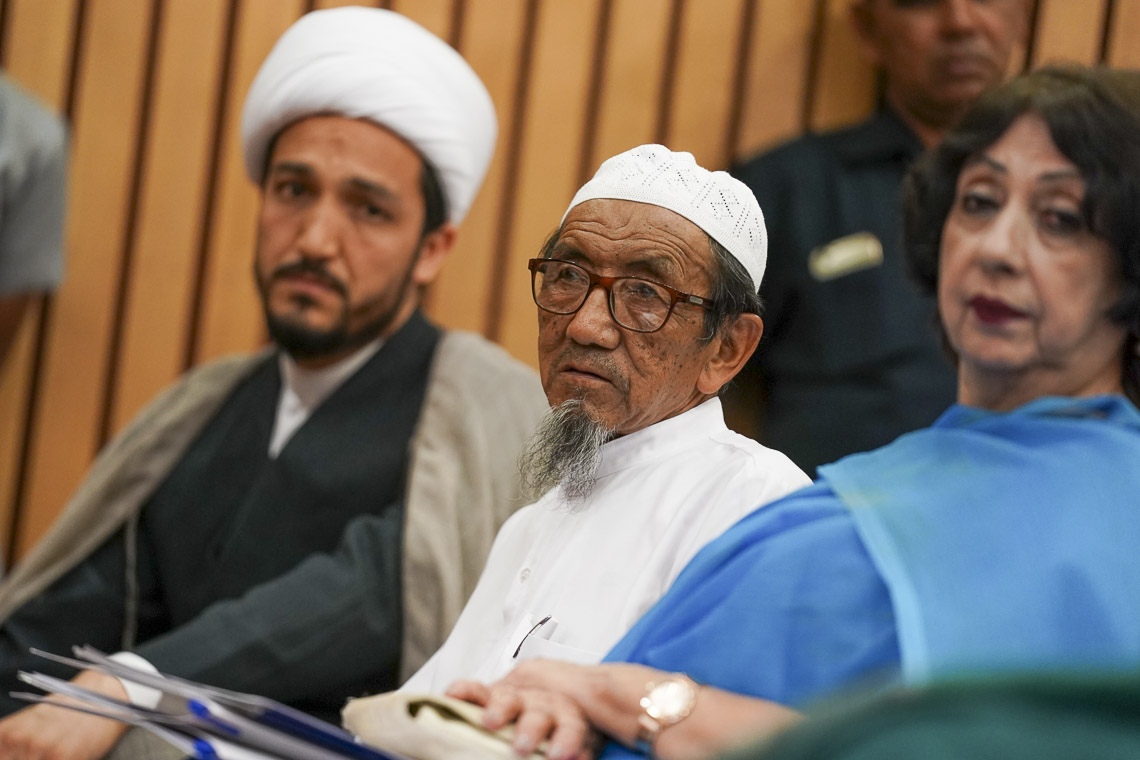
(306, 523)
(647, 307)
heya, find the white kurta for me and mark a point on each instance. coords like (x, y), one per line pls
(662, 493)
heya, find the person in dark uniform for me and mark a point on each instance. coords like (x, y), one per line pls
(850, 357)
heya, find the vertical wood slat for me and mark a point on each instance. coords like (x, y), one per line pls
(173, 194)
(703, 88)
(1068, 31)
(1123, 47)
(631, 80)
(492, 35)
(433, 15)
(131, 223)
(103, 157)
(845, 89)
(552, 124)
(776, 75)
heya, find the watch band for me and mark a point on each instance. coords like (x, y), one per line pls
(666, 702)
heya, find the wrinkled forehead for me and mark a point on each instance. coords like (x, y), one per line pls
(622, 235)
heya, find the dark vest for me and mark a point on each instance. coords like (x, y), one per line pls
(229, 518)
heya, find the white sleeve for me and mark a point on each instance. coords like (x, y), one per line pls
(139, 695)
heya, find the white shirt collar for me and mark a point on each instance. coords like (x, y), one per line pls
(303, 390)
(663, 439)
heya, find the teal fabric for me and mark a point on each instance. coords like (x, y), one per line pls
(1007, 539)
(1023, 718)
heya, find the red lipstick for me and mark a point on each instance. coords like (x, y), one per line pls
(993, 312)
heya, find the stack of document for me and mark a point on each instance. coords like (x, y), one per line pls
(203, 721)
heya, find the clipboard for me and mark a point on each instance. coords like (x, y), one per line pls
(205, 721)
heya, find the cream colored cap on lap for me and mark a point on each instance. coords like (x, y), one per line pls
(370, 63)
(717, 202)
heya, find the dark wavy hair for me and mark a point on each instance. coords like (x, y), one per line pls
(1093, 116)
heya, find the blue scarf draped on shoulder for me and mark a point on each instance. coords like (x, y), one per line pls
(1009, 540)
(986, 542)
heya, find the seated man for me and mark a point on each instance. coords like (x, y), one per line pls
(647, 308)
(270, 518)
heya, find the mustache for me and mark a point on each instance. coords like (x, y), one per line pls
(311, 268)
(595, 360)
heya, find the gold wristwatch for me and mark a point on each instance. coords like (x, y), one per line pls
(666, 702)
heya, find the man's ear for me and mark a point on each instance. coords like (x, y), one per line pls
(433, 252)
(866, 32)
(731, 350)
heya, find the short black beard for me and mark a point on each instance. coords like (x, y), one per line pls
(565, 450)
(303, 343)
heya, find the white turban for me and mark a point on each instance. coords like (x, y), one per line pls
(369, 63)
(717, 202)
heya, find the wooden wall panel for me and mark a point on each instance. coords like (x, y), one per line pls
(491, 40)
(434, 15)
(1124, 42)
(776, 77)
(171, 204)
(112, 61)
(630, 96)
(702, 100)
(162, 226)
(1068, 31)
(844, 86)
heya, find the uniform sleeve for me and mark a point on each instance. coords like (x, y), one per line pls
(330, 627)
(33, 193)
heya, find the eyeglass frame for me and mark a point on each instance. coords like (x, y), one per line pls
(606, 283)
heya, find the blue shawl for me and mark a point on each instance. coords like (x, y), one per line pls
(1007, 540)
(988, 541)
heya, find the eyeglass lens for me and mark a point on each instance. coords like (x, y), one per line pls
(636, 304)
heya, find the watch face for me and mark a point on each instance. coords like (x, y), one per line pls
(671, 698)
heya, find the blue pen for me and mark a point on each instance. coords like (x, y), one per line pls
(203, 750)
(200, 710)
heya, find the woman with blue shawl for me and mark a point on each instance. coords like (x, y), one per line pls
(1002, 539)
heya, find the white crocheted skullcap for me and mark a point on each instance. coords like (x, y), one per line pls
(717, 202)
(374, 64)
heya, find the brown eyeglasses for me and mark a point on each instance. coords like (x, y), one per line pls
(561, 287)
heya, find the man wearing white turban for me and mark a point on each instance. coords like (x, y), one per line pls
(648, 306)
(305, 523)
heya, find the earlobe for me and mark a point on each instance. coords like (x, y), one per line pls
(732, 350)
(433, 252)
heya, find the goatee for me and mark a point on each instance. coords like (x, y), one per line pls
(303, 342)
(565, 450)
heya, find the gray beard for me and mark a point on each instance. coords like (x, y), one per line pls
(565, 450)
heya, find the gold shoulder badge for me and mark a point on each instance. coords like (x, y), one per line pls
(845, 255)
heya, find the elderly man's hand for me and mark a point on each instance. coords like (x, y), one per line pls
(565, 703)
(540, 713)
(44, 732)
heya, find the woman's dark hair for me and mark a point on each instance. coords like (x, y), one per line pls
(1093, 116)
